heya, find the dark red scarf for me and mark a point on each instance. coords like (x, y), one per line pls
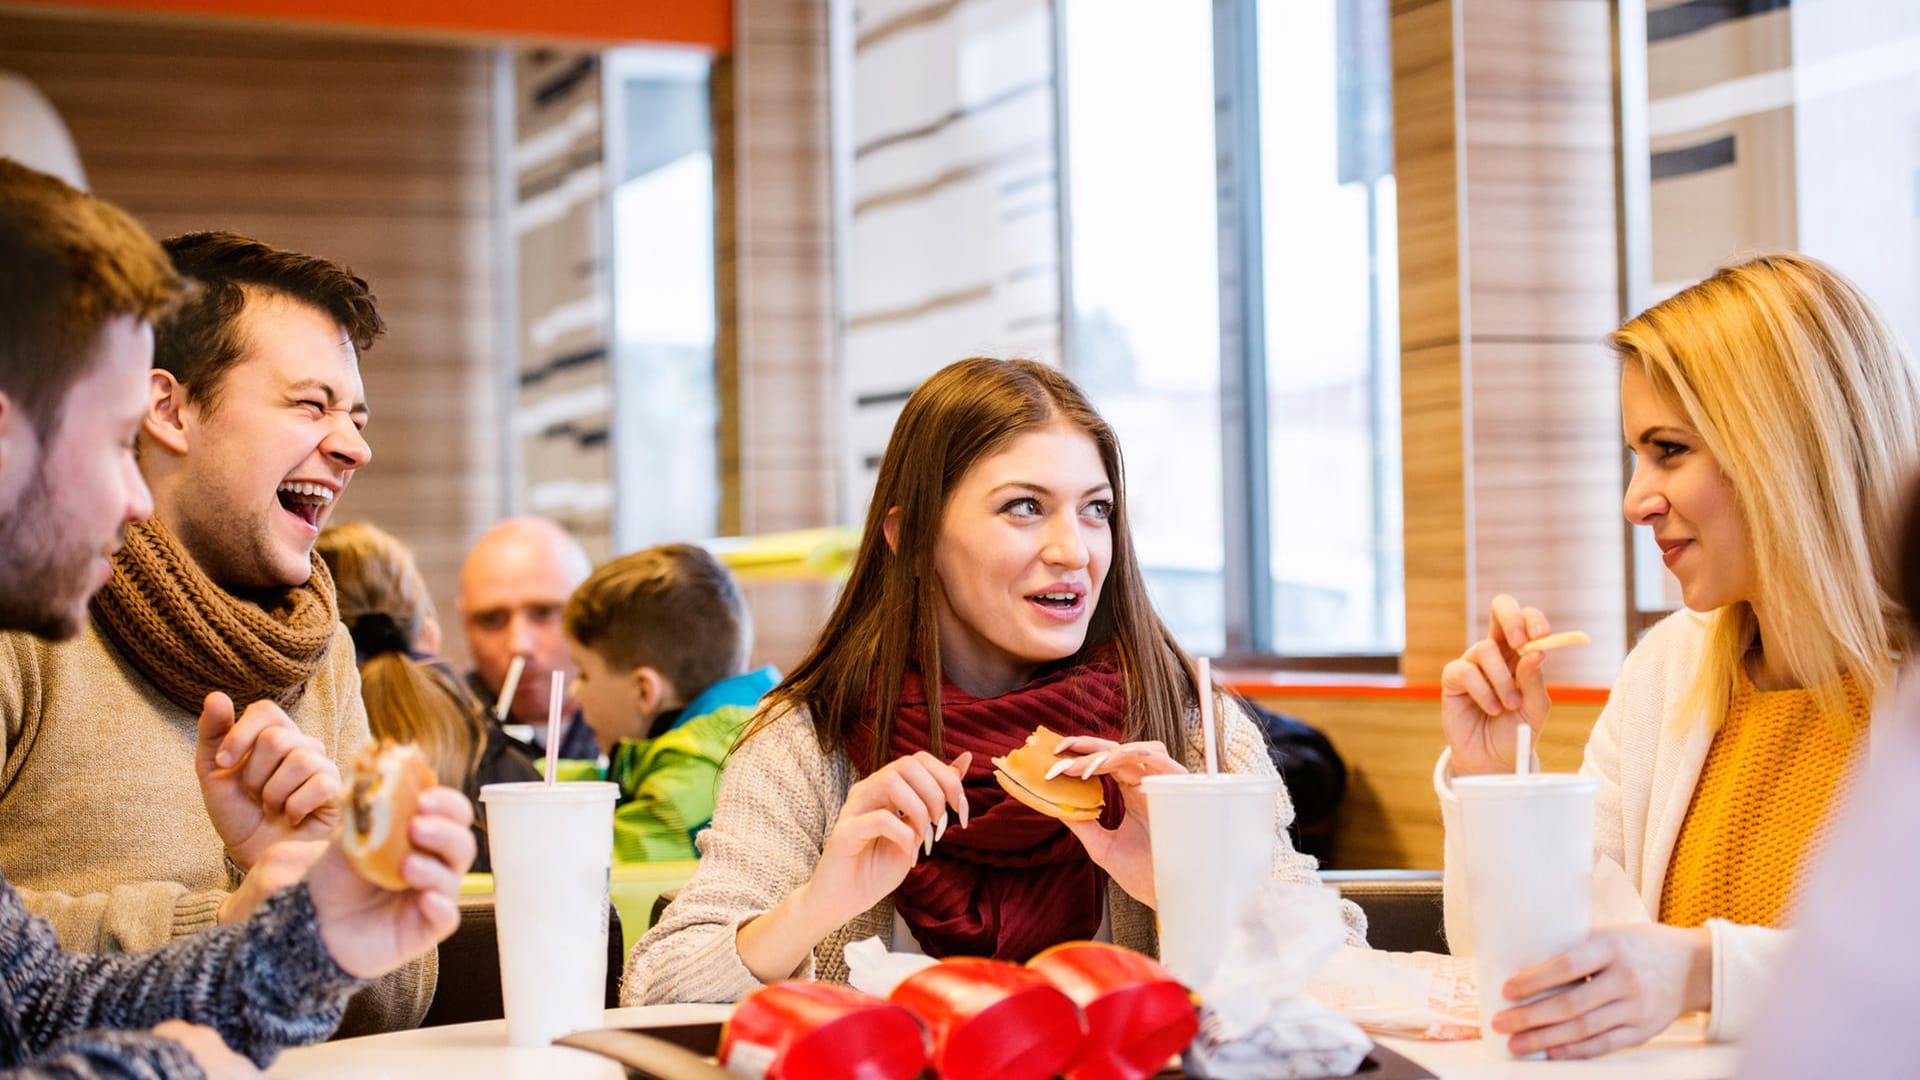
(1014, 881)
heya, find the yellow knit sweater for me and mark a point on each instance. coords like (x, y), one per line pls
(1775, 769)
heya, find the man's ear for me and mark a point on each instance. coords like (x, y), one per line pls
(167, 418)
(890, 528)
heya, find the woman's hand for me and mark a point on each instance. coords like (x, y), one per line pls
(1125, 853)
(208, 1050)
(890, 818)
(1491, 689)
(1619, 988)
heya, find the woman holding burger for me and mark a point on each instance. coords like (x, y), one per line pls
(995, 567)
(1774, 420)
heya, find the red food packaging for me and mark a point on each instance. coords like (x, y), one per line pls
(991, 1020)
(1138, 1015)
(821, 1031)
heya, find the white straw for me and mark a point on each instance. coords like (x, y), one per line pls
(553, 724)
(1206, 717)
(1522, 750)
(508, 688)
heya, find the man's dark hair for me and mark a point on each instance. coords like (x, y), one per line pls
(68, 263)
(200, 341)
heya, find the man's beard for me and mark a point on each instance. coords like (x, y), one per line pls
(43, 573)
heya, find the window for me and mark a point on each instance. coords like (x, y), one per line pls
(1255, 166)
(666, 441)
(1144, 337)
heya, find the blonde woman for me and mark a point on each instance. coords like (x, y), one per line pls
(1774, 420)
(410, 696)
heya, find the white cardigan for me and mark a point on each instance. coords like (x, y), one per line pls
(1646, 766)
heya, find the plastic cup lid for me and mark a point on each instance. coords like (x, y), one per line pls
(1199, 782)
(1516, 785)
(565, 791)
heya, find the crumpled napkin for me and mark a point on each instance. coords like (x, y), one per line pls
(1257, 1021)
(872, 969)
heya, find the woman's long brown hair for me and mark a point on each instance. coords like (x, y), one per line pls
(884, 618)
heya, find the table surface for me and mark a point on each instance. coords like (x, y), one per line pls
(480, 1051)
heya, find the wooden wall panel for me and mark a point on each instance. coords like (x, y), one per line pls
(373, 154)
(1391, 817)
(1434, 477)
(776, 264)
(1504, 138)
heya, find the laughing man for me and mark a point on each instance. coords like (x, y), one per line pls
(216, 605)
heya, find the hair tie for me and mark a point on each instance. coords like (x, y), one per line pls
(376, 633)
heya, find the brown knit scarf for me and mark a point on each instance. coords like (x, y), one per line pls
(190, 637)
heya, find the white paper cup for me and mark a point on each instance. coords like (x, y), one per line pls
(552, 851)
(1212, 842)
(1529, 845)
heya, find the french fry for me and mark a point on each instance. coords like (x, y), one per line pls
(1555, 641)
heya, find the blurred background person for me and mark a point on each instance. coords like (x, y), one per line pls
(513, 587)
(411, 696)
(661, 639)
(1841, 999)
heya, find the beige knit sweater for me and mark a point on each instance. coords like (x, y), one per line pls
(102, 826)
(779, 797)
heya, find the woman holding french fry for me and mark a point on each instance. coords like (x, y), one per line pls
(1774, 421)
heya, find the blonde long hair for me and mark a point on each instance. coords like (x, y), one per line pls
(407, 699)
(1807, 398)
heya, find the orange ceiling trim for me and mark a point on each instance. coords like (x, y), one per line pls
(704, 23)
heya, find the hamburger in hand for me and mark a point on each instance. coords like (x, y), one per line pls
(388, 780)
(1023, 773)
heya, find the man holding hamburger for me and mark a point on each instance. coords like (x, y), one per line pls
(80, 284)
(214, 643)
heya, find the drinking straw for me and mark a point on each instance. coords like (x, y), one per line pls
(1522, 749)
(508, 688)
(1206, 716)
(553, 724)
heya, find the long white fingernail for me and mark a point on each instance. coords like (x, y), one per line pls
(1093, 763)
(1064, 743)
(964, 806)
(926, 844)
(1061, 766)
(941, 829)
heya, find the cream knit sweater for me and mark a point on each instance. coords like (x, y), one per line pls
(102, 827)
(1647, 760)
(779, 797)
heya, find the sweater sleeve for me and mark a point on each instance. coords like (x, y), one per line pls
(262, 986)
(109, 1055)
(775, 806)
(1744, 960)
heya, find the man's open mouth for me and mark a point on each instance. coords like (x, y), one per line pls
(305, 501)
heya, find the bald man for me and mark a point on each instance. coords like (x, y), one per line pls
(513, 586)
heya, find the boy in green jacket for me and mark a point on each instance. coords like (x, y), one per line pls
(660, 638)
